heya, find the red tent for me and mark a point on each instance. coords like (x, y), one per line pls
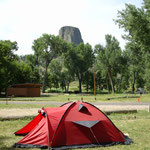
(72, 125)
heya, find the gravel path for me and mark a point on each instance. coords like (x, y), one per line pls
(15, 112)
(94, 103)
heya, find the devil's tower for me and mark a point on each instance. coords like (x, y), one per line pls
(71, 34)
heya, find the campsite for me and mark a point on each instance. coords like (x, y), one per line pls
(75, 75)
(136, 125)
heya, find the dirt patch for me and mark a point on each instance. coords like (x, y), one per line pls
(18, 112)
(119, 107)
(13, 112)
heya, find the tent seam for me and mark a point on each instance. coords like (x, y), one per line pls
(48, 129)
(60, 121)
(107, 118)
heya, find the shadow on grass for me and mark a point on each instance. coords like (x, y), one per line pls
(3, 143)
(3, 146)
(9, 148)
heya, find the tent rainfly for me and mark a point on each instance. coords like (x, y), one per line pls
(72, 125)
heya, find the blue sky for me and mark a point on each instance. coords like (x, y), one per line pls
(26, 20)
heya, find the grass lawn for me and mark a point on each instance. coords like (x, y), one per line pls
(137, 127)
(86, 97)
(9, 106)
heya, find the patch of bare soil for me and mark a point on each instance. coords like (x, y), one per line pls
(123, 107)
(16, 112)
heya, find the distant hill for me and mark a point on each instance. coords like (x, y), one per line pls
(71, 34)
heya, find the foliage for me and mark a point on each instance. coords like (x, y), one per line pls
(30, 60)
(58, 76)
(136, 23)
(12, 69)
(56, 63)
(7, 59)
(108, 59)
(78, 59)
(48, 47)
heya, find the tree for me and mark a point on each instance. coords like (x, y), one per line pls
(65, 79)
(59, 75)
(22, 73)
(31, 61)
(7, 49)
(7, 58)
(108, 58)
(136, 23)
(78, 59)
(88, 79)
(135, 64)
(48, 47)
(122, 76)
(146, 75)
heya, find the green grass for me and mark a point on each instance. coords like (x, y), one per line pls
(9, 106)
(86, 97)
(137, 127)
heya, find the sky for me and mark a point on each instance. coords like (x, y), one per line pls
(24, 21)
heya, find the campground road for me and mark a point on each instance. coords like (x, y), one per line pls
(94, 103)
(104, 106)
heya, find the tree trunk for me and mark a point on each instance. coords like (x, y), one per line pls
(80, 83)
(111, 82)
(87, 87)
(65, 88)
(37, 61)
(68, 87)
(99, 86)
(119, 86)
(133, 84)
(6, 81)
(45, 76)
(48, 60)
(107, 84)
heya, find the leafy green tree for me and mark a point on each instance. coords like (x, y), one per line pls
(99, 51)
(7, 57)
(135, 65)
(48, 47)
(59, 74)
(136, 23)
(88, 80)
(31, 61)
(146, 75)
(108, 58)
(122, 76)
(22, 73)
(55, 72)
(7, 49)
(78, 59)
(65, 79)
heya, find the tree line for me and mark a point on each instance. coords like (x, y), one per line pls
(56, 63)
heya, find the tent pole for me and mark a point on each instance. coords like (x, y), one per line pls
(48, 129)
(94, 136)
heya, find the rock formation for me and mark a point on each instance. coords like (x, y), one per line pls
(71, 34)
